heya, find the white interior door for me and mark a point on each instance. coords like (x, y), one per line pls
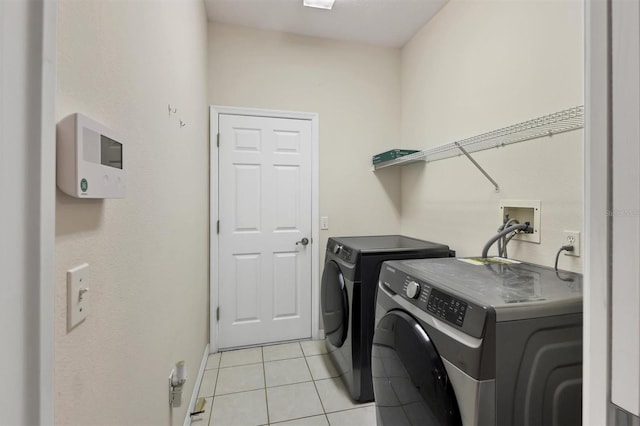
(264, 251)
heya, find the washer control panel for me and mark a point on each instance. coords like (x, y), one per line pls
(439, 303)
(435, 300)
(447, 307)
(412, 290)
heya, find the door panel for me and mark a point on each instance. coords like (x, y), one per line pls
(247, 297)
(246, 200)
(285, 301)
(287, 182)
(264, 209)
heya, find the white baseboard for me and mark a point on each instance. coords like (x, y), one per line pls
(196, 387)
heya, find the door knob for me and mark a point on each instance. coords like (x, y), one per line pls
(303, 241)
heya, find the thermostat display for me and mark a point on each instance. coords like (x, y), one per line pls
(110, 152)
(90, 159)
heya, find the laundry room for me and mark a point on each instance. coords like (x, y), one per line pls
(172, 271)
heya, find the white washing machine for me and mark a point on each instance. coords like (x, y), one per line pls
(459, 342)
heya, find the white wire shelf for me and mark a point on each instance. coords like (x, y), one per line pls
(548, 125)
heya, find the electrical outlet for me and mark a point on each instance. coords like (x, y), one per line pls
(572, 238)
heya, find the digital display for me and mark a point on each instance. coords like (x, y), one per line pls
(110, 152)
(446, 307)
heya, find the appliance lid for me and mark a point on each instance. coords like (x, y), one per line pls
(514, 290)
(387, 243)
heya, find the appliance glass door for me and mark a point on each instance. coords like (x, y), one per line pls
(335, 306)
(410, 382)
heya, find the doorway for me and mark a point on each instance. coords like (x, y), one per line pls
(264, 226)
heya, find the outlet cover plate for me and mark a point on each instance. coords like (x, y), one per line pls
(574, 236)
(77, 300)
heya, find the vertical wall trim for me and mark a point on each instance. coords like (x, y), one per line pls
(315, 228)
(596, 205)
(48, 209)
(625, 213)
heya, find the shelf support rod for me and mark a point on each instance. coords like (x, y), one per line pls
(475, 163)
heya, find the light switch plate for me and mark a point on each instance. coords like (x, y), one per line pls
(324, 222)
(77, 295)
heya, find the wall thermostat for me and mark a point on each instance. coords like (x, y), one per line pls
(90, 159)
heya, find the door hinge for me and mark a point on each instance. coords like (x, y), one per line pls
(218, 313)
(217, 227)
(218, 140)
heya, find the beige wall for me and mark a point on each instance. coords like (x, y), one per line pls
(355, 88)
(479, 66)
(122, 63)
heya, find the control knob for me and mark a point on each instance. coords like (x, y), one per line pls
(337, 249)
(413, 290)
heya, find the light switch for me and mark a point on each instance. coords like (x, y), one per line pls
(77, 295)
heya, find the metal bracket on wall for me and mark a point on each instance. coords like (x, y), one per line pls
(475, 163)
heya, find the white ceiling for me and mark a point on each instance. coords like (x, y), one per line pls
(381, 22)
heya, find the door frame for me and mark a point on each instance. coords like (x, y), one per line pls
(39, 96)
(214, 112)
(597, 224)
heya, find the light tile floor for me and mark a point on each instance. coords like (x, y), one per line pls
(287, 384)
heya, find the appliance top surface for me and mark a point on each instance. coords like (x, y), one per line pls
(386, 243)
(500, 285)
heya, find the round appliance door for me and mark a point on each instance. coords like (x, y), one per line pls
(410, 382)
(335, 306)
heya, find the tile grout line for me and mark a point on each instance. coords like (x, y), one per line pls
(326, 414)
(312, 381)
(213, 397)
(269, 387)
(264, 376)
(242, 365)
(298, 418)
(316, 388)
(265, 388)
(215, 386)
(289, 384)
(207, 414)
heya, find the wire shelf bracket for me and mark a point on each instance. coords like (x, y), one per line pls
(545, 126)
(475, 163)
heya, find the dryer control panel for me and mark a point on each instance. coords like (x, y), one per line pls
(341, 251)
(437, 301)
